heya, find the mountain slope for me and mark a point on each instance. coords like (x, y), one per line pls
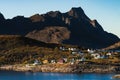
(54, 34)
(72, 27)
(15, 41)
(15, 49)
(115, 46)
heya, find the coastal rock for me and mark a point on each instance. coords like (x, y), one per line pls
(64, 68)
(116, 76)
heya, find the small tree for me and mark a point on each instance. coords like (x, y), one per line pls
(56, 50)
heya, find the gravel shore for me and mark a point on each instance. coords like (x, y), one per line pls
(65, 68)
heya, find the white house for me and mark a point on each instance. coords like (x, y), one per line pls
(109, 54)
(72, 49)
(82, 59)
(74, 52)
(72, 61)
(65, 59)
(90, 51)
(36, 62)
(62, 48)
(53, 61)
(96, 55)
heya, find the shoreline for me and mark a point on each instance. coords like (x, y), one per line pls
(62, 68)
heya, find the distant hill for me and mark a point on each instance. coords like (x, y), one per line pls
(115, 46)
(72, 27)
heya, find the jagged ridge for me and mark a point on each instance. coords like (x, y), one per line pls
(82, 31)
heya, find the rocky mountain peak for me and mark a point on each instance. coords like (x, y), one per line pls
(37, 18)
(54, 13)
(76, 12)
(1, 17)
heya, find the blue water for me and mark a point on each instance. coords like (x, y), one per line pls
(12, 75)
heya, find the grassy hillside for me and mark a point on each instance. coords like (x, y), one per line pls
(13, 41)
(17, 49)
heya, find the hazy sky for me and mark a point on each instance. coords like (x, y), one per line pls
(107, 12)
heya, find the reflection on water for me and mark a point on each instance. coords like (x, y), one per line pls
(11, 75)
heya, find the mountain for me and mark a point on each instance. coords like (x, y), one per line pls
(1, 17)
(72, 27)
(115, 46)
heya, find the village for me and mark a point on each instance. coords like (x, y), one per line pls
(77, 61)
(80, 56)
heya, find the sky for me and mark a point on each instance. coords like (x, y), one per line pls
(106, 12)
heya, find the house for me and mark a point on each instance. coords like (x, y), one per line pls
(27, 65)
(62, 48)
(109, 54)
(65, 59)
(72, 49)
(103, 57)
(53, 61)
(73, 52)
(81, 53)
(61, 61)
(36, 62)
(77, 52)
(77, 60)
(72, 61)
(45, 61)
(82, 59)
(96, 55)
(90, 51)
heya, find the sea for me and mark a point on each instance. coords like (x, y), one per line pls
(13, 75)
